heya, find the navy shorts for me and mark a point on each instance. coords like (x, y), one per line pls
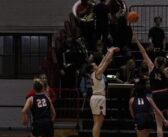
(144, 121)
(43, 128)
(160, 99)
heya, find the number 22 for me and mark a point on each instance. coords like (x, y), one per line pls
(41, 103)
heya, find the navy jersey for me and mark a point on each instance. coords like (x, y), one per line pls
(158, 79)
(142, 110)
(141, 105)
(41, 108)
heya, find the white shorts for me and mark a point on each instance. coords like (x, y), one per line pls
(98, 104)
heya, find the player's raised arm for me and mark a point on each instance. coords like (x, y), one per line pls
(148, 61)
(106, 60)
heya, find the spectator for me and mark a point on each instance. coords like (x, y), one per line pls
(82, 52)
(127, 72)
(156, 35)
(121, 35)
(68, 59)
(117, 9)
(103, 16)
(86, 22)
(99, 52)
(47, 89)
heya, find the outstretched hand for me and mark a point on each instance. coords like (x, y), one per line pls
(166, 123)
(113, 49)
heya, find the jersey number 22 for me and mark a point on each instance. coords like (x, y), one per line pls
(41, 103)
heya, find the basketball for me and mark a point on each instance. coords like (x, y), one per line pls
(132, 17)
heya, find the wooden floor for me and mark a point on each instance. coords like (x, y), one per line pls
(14, 133)
(26, 133)
(65, 132)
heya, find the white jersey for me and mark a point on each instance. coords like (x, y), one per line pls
(98, 86)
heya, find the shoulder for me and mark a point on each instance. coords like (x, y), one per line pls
(98, 76)
(95, 75)
(30, 99)
(149, 99)
(30, 93)
(131, 100)
(48, 98)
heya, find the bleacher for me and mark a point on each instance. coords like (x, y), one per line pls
(118, 121)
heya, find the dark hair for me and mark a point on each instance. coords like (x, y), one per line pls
(161, 61)
(89, 68)
(158, 17)
(139, 90)
(37, 86)
(97, 58)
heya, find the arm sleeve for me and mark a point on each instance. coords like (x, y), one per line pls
(31, 93)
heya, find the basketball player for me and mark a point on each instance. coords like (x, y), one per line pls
(42, 111)
(158, 82)
(98, 100)
(140, 108)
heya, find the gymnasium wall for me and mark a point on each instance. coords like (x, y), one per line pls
(44, 12)
(34, 12)
(12, 93)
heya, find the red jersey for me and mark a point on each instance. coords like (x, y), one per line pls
(50, 92)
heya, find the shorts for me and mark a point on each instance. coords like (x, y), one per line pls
(160, 99)
(144, 121)
(98, 104)
(43, 128)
